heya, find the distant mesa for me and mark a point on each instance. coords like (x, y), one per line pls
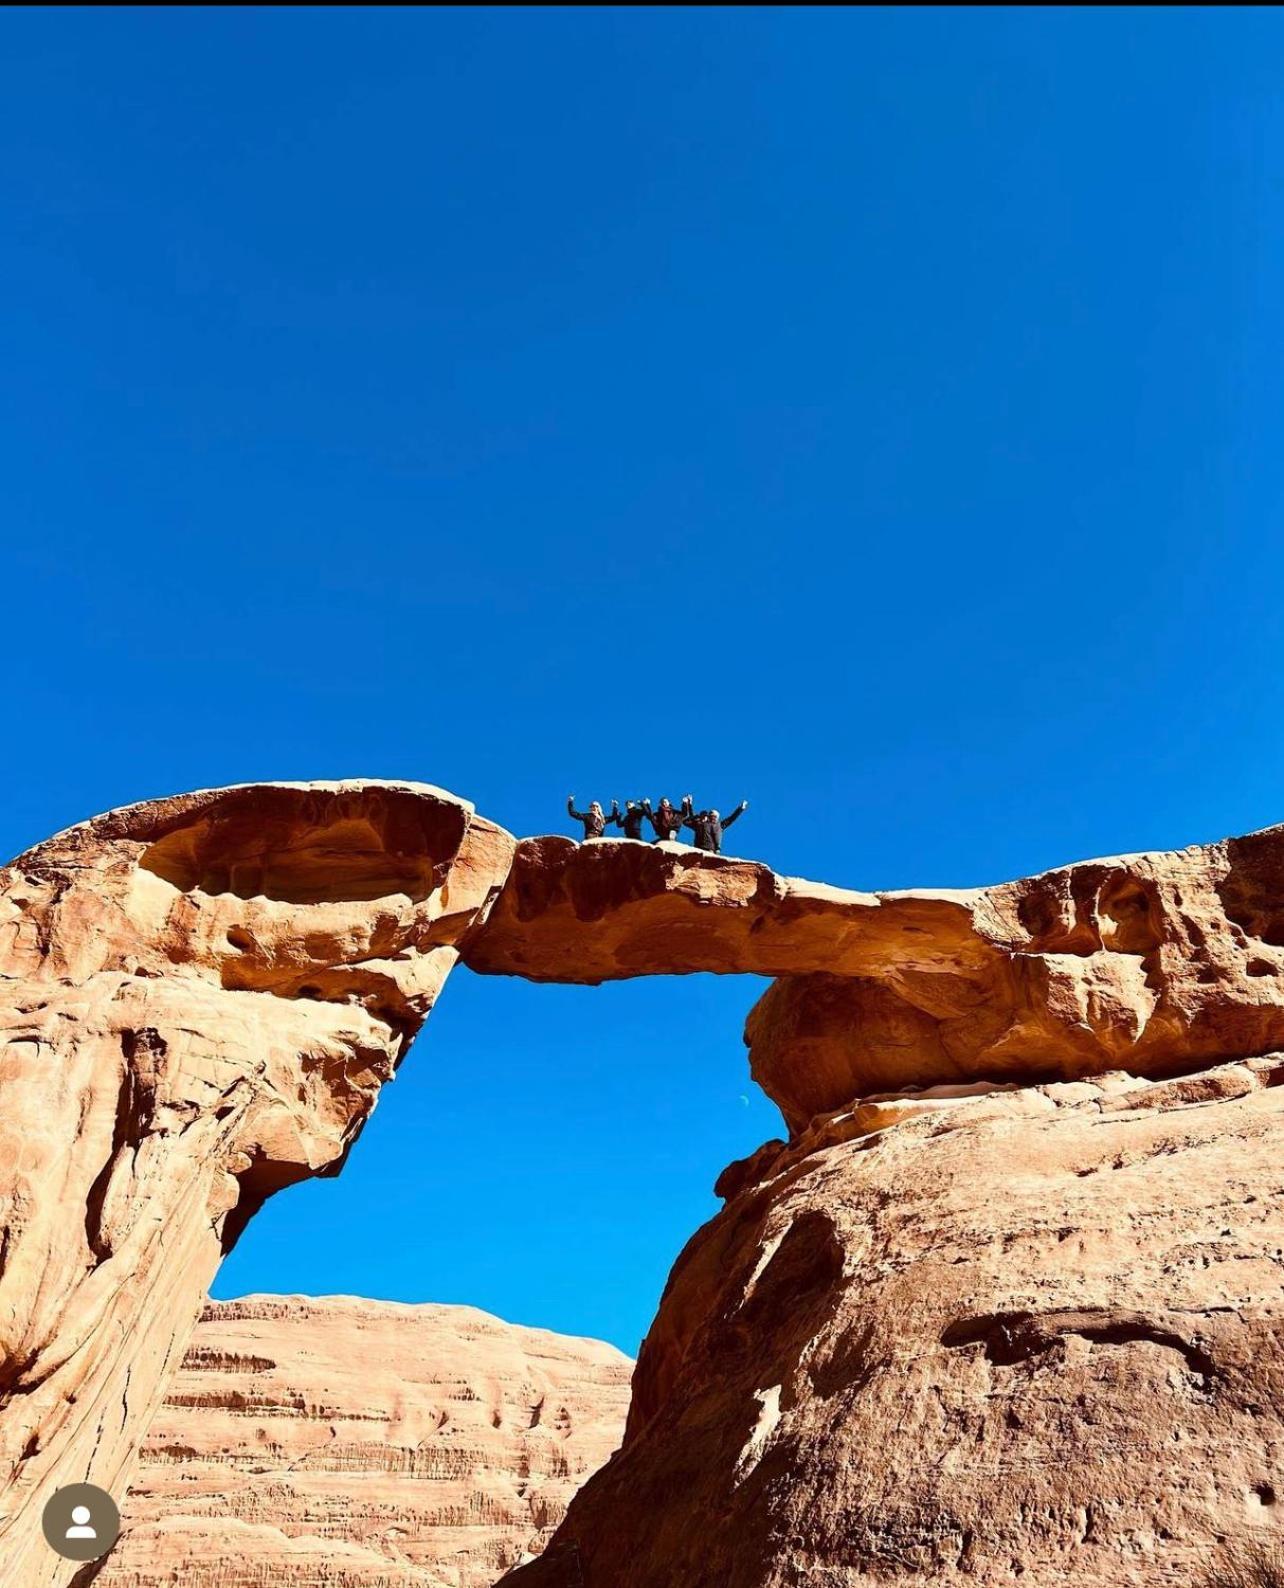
(305, 1437)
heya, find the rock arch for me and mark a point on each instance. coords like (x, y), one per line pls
(205, 994)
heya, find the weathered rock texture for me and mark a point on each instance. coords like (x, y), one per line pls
(203, 998)
(1008, 1305)
(613, 908)
(1034, 1336)
(362, 1444)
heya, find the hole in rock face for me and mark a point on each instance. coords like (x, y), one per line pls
(304, 847)
(1261, 967)
(803, 1274)
(1131, 920)
(1253, 887)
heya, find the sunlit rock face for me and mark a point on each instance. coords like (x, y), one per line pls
(1007, 1305)
(613, 908)
(364, 1444)
(1030, 1336)
(1151, 963)
(204, 996)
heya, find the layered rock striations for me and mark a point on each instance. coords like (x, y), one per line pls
(364, 1444)
(203, 997)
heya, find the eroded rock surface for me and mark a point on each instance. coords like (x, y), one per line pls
(363, 1444)
(612, 908)
(203, 997)
(1033, 1336)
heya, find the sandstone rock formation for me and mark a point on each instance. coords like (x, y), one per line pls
(1034, 1078)
(1033, 1336)
(364, 1444)
(204, 996)
(612, 908)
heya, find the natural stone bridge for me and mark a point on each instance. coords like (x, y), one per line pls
(206, 993)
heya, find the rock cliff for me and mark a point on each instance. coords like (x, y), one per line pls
(1032, 1336)
(203, 998)
(363, 1444)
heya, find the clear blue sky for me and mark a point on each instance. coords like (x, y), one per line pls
(876, 414)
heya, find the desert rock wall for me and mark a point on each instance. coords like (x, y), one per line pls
(364, 1444)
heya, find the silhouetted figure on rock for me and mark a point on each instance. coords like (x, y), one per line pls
(595, 823)
(708, 826)
(667, 819)
(635, 813)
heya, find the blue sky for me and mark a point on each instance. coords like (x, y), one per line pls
(872, 413)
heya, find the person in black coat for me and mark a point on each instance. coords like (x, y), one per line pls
(708, 826)
(667, 819)
(595, 823)
(635, 813)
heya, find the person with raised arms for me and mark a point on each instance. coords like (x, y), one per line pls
(595, 822)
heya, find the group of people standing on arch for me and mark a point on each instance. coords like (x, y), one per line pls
(667, 821)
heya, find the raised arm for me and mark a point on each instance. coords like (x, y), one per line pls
(580, 816)
(735, 815)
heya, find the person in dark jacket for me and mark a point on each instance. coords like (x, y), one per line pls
(667, 819)
(595, 823)
(635, 813)
(708, 826)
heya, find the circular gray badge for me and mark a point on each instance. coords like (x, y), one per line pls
(81, 1521)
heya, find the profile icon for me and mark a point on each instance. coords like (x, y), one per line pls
(81, 1517)
(80, 1522)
